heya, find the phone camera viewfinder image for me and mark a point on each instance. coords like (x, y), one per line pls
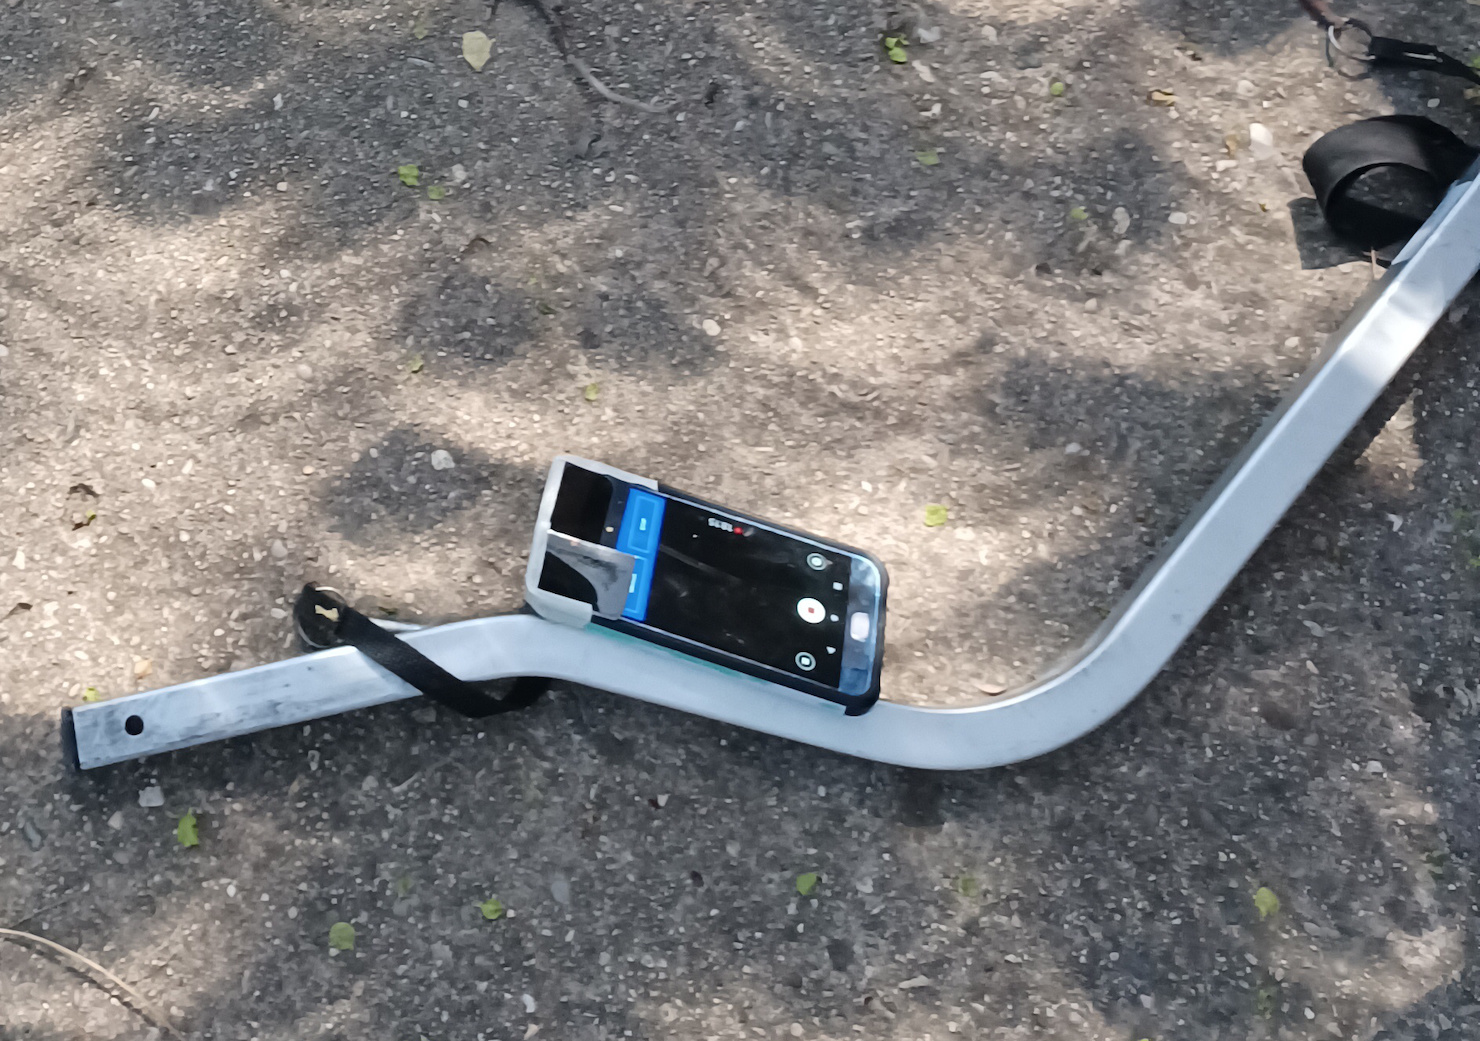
(732, 589)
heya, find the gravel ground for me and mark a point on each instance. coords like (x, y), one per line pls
(231, 339)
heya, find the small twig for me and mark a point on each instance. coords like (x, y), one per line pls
(58, 902)
(585, 73)
(562, 44)
(140, 1003)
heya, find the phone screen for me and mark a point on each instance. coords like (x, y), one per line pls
(730, 583)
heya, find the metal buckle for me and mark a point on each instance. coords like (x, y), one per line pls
(1334, 35)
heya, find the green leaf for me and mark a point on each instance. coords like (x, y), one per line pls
(1057, 89)
(1475, 62)
(592, 391)
(476, 48)
(91, 694)
(415, 364)
(403, 885)
(419, 26)
(410, 175)
(436, 193)
(1266, 901)
(492, 908)
(1078, 213)
(894, 47)
(1266, 1000)
(966, 886)
(928, 157)
(89, 517)
(342, 936)
(936, 515)
(544, 308)
(187, 831)
(806, 883)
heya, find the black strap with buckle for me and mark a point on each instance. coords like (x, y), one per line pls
(1425, 57)
(323, 620)
(1383, 51)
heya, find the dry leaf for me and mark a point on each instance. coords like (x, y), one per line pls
(143, 667)
(1164, 98)
(476, 49)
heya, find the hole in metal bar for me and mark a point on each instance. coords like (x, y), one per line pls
(133, 726)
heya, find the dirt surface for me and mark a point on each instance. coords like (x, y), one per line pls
(826, 288)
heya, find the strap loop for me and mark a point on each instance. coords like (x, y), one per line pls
(1383, 50)
(323, 619)
(1427, 154)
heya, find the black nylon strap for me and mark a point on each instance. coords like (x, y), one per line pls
(325, 620)
(1399, 54)
(1425, 151)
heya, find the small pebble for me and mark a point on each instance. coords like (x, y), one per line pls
(116, 821)
(442, 460)
(278, 550)
(1261, 141)
(152, 797)
(711, 327)
(304, 372)
(1177, 217)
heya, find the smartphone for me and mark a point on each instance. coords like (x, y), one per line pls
(711, 582)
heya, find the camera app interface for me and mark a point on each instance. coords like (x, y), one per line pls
(735, 586)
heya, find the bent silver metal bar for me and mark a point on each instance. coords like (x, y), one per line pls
(1177, 589)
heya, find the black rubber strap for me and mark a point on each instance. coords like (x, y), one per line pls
(1400, 54)
(325, 620)
(1423, 149)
